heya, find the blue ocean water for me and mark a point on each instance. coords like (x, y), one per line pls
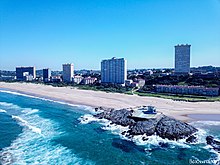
(40, 131)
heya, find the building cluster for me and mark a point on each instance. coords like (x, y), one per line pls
(84, 80)
(29, 74)
(188, 90)
(114, 71)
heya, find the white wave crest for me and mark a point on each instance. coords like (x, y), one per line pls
(215, 123)
(84, 107)
(9, 105)
(88, 118)
(5, 104)
(35, 148)
(138, 139)
(3, 111)
(29, 111)
(115, 129)
(155, 140)
(26, 124)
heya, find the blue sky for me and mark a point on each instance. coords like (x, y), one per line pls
(47, 33)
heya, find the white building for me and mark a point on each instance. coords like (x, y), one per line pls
(89, 80)
(182, 59)
(78, 79)
(114, 70)
(68, 72)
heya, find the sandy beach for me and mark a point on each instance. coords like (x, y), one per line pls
(176, 109)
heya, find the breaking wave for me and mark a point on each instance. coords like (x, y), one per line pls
(3, 111)
(35, 144)
(84, 107)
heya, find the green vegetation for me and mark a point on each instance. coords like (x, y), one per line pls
(106, 88)
(179, 97)
(190, 98)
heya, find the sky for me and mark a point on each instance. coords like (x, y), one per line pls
(48, 33)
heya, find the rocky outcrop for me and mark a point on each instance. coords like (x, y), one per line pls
(214, 143)
(143, 127)
(162, 126)
(191, 139)
(120, 117)
(173, 129)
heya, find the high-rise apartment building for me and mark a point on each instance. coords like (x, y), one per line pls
(22, 73)
(114, 70)
(46, 74)
(68, 72)
(182, 59)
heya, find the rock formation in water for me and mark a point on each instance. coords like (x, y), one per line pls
(163, 126)
(214, 143)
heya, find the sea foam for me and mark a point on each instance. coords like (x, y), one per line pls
(138, 139)
(84, 107)
(26, 124)
(34, 145)
(3, 111)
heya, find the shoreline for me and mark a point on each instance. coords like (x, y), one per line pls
(178, 109)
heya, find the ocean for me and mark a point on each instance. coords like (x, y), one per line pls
(40, 131)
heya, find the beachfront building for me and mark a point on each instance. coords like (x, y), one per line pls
(46, 74)
(135, 83)
(114, 70)
(188, 90)
(89, 80)
(25, 73)
(182, 59)
(68, 73)
(56, 79)
(78, 79)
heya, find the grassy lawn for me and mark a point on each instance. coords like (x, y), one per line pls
(181, 97)
(190, 98)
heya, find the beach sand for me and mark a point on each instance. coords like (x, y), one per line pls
(177, 109)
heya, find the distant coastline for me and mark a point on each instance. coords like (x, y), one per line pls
(178, 109)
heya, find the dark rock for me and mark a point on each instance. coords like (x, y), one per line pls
(119, 117)
(214, 143)
(124, 132)
(209, 140)
(163, 145)
(191, 139)
(142, 127)
(162, 126)
(173, 129)
(144, 138)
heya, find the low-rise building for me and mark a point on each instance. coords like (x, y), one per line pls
(135, 83)
(27, 76)
(78, 79)
(56, 79)
(88, 80)
(190, 90)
